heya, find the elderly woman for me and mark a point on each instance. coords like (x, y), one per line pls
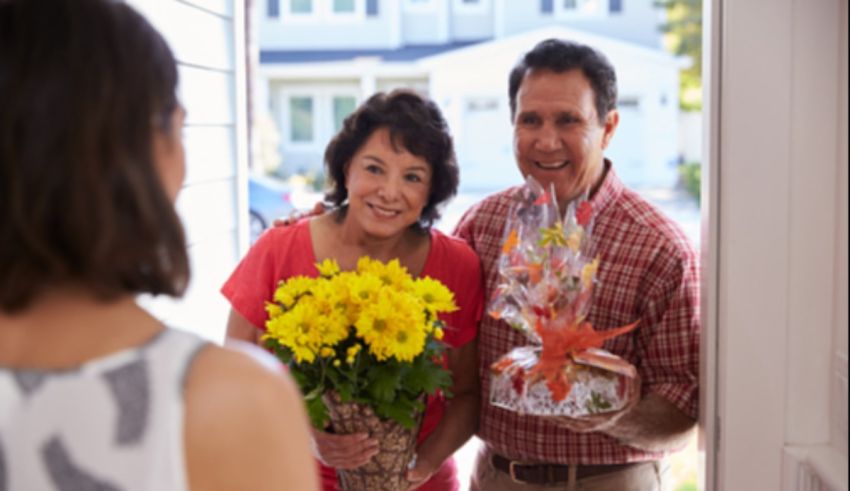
(95, 393)
(390, 168)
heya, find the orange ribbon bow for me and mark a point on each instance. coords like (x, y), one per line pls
(559, 346)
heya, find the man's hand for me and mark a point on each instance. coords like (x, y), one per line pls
(296, 215)
(344, 451)
(599, 422)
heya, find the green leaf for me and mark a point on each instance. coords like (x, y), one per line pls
(384, 382)
(399, 410)
(317, 411)
(313, 394)
(346, 391)
(426, 376)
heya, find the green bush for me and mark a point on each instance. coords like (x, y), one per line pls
(687, 486)
(690, 174)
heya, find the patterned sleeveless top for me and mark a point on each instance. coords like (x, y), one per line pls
(114, 423)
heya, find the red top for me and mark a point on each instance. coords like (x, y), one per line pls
(648, 271)
(284, 252)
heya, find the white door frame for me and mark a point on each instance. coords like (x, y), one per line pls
(771, 214)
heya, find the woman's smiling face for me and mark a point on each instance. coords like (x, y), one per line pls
(388, 187)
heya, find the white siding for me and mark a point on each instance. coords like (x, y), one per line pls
(364, 32)
(472, 22)
(425, 24)
(637, 23)
(208, 41)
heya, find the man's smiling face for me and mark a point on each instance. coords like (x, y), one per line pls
(558, 138)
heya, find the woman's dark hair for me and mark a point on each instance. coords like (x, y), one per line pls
(84, 86)
(559, 56)
(414, 123)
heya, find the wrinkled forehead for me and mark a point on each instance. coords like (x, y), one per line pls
(546, 90)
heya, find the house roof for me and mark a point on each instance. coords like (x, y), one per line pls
(402, 54)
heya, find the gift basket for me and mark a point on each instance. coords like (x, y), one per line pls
(545, 291)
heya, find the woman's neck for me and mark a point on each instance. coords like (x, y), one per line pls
(66, 325)
(346, 242)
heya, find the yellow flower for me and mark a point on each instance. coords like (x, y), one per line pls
(574, 240)
(553, 235)
(393, 325)
(406, 343)
(434, 295)
(273, 309)
(438, 334)
(327, 352)
(364, 288)
(392, 274)
(373, 325)
(588, 272)
(298, 329)
(288, 292)
(328, 268)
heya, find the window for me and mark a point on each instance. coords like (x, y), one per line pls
(471, 6)
(301, 119)
(581, 8)
(343, 6)
(301, 6)
(319, 11)
(342, 107)
(273, 9)
(419, 5)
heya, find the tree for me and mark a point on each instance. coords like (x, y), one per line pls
(683, 37)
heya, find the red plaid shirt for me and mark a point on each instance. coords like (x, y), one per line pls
(648, 271)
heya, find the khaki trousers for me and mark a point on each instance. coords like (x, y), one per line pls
(648, 476)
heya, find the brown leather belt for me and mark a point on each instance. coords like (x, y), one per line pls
(523, 473)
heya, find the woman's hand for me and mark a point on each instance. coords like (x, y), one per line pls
(343, 451)
(419, 472)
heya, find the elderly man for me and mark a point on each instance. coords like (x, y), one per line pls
(563, 105)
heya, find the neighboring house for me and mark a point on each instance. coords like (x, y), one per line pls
(320, 58)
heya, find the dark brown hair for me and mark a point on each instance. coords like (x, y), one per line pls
(416, 124)
(559, 56)
(84, 86)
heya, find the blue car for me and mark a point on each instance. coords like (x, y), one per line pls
(268, 199)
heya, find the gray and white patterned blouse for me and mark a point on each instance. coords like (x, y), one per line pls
(114, 423)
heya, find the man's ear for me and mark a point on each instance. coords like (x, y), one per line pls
(612, 120)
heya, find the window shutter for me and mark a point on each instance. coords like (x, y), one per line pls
(372, 8)
(547, 6)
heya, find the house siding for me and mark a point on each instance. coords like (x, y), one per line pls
(211, 202)
(367, 32)
(466, 27)
(637, 23)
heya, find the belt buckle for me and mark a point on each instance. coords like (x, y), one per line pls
(512, 473)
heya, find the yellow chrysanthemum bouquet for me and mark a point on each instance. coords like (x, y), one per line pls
(370, 336)
(364, 346)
